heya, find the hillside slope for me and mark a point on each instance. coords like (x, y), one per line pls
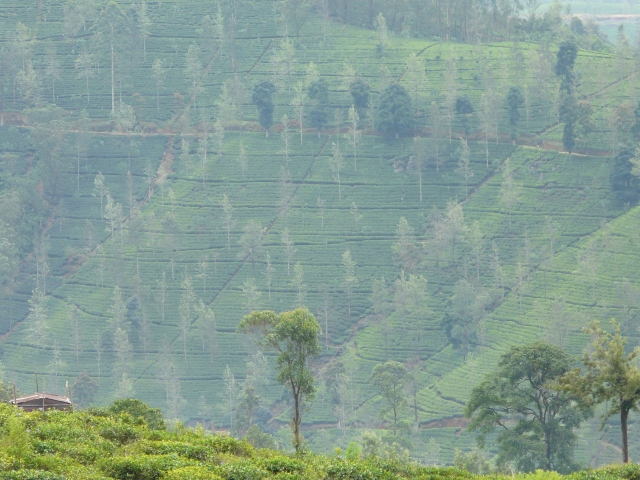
(175, 244)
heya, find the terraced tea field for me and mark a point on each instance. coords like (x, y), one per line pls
(176, 229)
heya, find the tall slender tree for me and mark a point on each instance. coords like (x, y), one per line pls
(251, 242)
(389, 378)
(295, 338)
(187, 310)
(227, 211)
(193, 71)
(111, 32)
(349, 280)
(336, 164)
(610, 375)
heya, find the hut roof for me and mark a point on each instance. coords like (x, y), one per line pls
(40, 400)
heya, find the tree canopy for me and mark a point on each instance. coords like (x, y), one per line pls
(515, 100)
(624, 184)
(535, 418)
(294, 336)
(361, 93)
(395, 115)
(566, 58)
(610, 375)
(263, 99)
(390, 378)
(319, 92)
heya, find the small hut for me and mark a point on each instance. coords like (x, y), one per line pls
(42, 401)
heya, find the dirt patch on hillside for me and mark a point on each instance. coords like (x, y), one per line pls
(453, 422)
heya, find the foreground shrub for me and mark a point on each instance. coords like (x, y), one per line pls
(183, 449)
(30, 475)
(99, 445)
(241, 471)
(143, 467)
(226, 444)
(138, 409)
(191, 473)
(630, 471)
(281, 464)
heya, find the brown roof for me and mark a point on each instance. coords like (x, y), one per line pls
(40, 396)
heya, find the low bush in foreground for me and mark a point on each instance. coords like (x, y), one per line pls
(102, 444)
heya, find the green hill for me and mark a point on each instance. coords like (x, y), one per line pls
(540, 265)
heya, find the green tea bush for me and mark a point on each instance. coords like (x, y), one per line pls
(119, 432)
(540, 475)
(30, 475)
(9, 462)
(442, 474)
(191, 473)
(341, 470)
(194, 452)
(241, 471)
(138, 409)
(88, 453)
(147, 467)
(99, 445)
(614, 472)
(282, 464)
(226, 444)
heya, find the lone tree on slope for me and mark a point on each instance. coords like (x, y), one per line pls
(294, 336)
(389, 378)
(625, 185)
(263, 99)
(536, 418)
(610, 375)
(395, 113)
(318, 116)
(361, 93)
(515, 100)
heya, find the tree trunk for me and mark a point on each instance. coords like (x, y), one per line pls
(113, 91)
(370, 14)
(453, 251)
(550, 465)
(486, 146)
(395, 421)
(624, 415)
(296, 421)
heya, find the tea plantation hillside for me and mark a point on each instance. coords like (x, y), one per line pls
(155, 211)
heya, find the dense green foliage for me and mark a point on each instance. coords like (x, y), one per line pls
(610, 375)
(395, 113)
(625, 185)
(537, 421)
(263, 99)
(99, 445)
(319, 93)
